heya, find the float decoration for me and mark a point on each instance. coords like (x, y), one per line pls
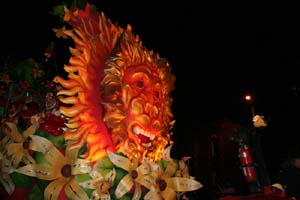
(109, 137)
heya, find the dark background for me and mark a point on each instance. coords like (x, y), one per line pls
(219, 51)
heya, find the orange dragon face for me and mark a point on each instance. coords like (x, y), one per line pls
(118, 93)
(137, 101)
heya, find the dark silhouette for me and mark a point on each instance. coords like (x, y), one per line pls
(289, 176)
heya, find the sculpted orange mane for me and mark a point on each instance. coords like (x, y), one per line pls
(117, 95)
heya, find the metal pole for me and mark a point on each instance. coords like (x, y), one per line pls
(252, 110)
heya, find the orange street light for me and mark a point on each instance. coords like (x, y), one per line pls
(248, 97)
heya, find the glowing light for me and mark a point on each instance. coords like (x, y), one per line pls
(248, 97)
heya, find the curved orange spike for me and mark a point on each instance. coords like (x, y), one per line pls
(73, 125)
(70, 92)
(70, 68)
(72, 111)
(69, 100)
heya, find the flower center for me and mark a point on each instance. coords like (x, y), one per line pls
(162, 184)
(104, 186)
(26, 143)
(134, 174)
(66, 171)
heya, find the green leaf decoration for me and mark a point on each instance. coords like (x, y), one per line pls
(83, 149)
(82, 177)
(40, 158)
(163, 164)
(58, 141)
(42, 133)
(42, 184)
(21, 180)
(120, 173)
(103, 164)
(58, 10)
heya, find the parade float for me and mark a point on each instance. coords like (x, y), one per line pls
(101, 131)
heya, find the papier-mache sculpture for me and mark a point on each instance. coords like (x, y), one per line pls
(116, 140)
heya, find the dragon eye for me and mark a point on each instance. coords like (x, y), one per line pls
(140, 83)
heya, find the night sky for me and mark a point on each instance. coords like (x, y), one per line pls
(218, 51)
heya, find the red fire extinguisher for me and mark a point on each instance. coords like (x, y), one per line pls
(247, 163)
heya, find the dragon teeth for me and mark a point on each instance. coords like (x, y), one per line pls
(137, 131)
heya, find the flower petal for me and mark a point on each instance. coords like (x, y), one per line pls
(7, 183)
(168, 193)
(144, 168)
(88, 184)
(74, 191)
(146, 180)
(72, 153)
(16, 151)
(55, 157)
(110, 176)
(171, 168)
(96, 175)
(183, 167)
(102, 196)
(120, 161)
(13, 148)
(52, 154)
(54, 188)
(166, 154)
(152, 195)
(27, 158)
(81, 166)
(181, 184)
(95, 196)
(156, 170)
(40, 171)
(6, 167)
(124, 186)
(39, 143)
(30, 130)
(5, 141)
(14, 133)
(137, 192)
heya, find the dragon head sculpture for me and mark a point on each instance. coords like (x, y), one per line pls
(118, 93)
(136, 97)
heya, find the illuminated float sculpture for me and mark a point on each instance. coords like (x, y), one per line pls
(119, 91)
(116, 101)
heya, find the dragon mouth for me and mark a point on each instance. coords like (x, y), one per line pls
(145, 137)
